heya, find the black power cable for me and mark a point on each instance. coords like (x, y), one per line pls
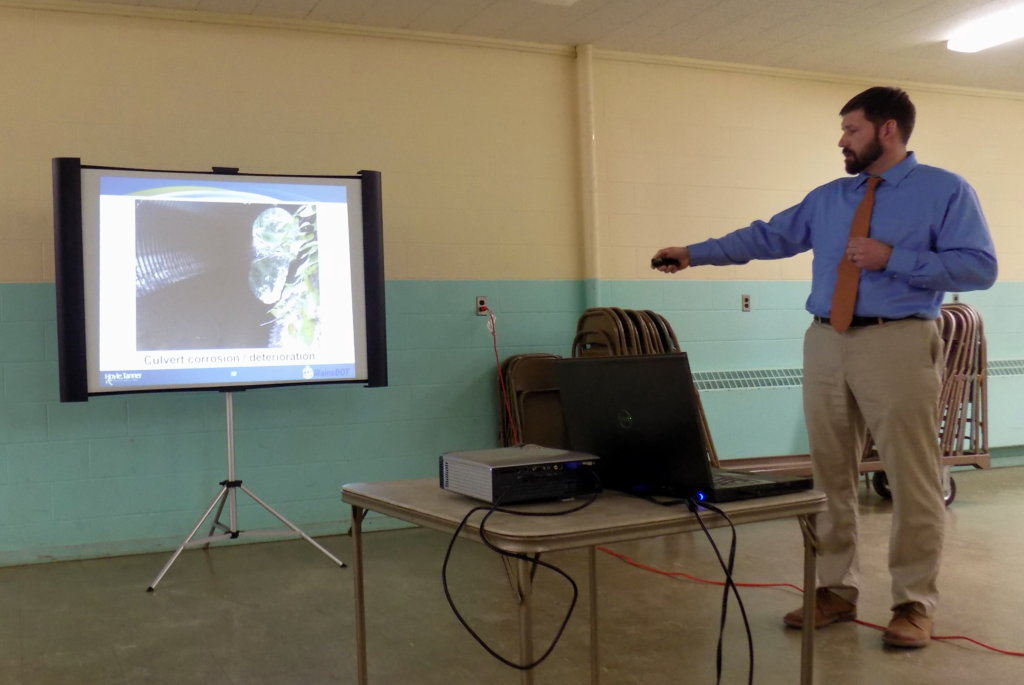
(729, 584)
(692, 504)
(535, 560)
(727, 567)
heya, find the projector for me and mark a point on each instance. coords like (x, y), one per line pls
(525, 473)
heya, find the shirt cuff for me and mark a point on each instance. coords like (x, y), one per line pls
(700, 254)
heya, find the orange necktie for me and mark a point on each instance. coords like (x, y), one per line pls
(845, 297)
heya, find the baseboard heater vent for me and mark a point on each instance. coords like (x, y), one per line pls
(1006, 367)
(793, 378)
(738, 380)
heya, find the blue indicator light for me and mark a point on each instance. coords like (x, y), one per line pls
(701, 496)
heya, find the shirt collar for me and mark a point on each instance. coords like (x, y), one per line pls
(893, 176)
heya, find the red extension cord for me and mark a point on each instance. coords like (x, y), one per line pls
(677, 574)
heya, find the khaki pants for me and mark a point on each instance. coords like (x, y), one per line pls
(885, 379)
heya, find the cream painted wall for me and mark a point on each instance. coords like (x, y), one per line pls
(477, 146)
(688, 153)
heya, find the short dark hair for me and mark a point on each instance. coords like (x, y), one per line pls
(882, 103)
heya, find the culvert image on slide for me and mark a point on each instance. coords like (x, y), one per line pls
(213, 275)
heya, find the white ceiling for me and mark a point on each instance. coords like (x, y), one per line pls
(885, 40)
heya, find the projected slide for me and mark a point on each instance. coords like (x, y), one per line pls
(209, 282)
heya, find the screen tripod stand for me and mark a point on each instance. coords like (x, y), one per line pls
(228, 495)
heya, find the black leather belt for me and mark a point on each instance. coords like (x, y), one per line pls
(860, 321)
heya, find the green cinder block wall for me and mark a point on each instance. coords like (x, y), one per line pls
(132, 473)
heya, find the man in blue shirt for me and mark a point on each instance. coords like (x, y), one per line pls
(883, 373)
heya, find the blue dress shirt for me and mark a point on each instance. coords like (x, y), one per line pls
(930, 217)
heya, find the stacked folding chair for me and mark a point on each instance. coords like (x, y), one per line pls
(611, 331)
(963, 411)
(534, 411)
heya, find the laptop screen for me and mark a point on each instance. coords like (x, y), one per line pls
(640, 415)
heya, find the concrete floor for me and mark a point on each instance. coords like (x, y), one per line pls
(281, 613)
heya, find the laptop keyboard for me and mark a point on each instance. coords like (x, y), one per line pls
(724, 480)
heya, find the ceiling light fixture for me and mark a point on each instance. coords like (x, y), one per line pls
(987, 32)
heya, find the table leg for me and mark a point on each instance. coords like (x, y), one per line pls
(595, 645)
(807, 527)
(358, 514)
(524, 582)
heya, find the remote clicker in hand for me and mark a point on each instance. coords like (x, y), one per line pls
(664, 261)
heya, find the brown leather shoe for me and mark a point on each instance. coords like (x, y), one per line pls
(910, 627)
(828, 608)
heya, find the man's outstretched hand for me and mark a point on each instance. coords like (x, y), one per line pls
(671, 259)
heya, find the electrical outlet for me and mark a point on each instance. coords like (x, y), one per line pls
(745, 303)
(480, 303)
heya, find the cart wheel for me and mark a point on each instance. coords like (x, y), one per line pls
(949, 489)
(881, 484)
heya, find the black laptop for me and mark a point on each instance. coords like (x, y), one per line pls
(641, 415)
